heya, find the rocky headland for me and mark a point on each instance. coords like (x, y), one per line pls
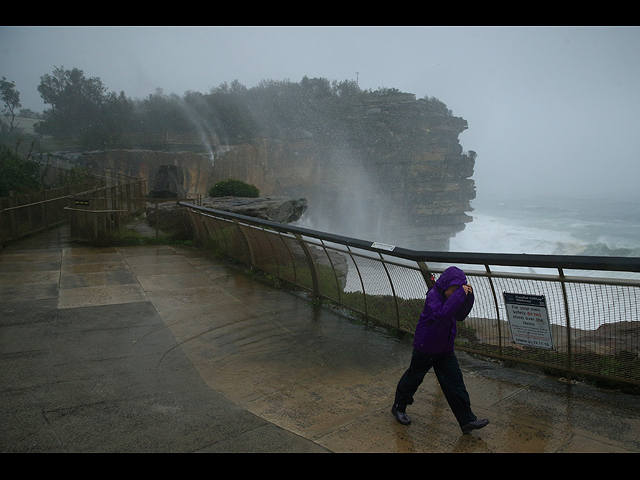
(393, 172)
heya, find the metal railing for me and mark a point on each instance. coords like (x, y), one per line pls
(585, 308)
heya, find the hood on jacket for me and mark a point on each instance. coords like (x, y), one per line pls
(451, 276)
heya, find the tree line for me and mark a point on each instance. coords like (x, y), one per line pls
(82, 109)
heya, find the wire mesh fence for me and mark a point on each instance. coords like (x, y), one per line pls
(527, 308)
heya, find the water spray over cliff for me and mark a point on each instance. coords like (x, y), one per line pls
(398, 175)
(208, 136)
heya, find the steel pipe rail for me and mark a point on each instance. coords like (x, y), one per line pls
(589, 321)
(576, 262)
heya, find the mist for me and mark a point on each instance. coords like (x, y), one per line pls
(551, 110)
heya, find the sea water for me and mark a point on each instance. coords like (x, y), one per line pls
(563, 226)
(553, 226)
(589, 226)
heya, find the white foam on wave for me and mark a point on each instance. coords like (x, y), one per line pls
(490, 234)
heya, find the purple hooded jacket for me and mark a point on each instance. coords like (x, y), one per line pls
(437, 327)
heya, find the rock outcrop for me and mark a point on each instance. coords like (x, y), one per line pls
(398, 175)
(275, 209)
(170, 217)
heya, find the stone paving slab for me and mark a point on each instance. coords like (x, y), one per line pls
(161, 349)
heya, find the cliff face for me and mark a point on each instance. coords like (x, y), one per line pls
(196, 167)
(395, 174)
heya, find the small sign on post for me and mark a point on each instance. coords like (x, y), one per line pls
(529, 320)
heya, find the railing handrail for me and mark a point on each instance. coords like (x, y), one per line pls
(71, 195)
(587, 324)
(569, 262)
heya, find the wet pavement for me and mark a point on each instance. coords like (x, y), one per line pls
(162, 349)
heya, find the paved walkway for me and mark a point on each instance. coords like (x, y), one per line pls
(160, 349)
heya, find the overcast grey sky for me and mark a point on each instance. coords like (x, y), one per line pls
(550, 109)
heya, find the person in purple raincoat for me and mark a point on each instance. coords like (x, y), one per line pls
(449, 301)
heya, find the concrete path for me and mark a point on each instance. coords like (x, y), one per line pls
(161, 349)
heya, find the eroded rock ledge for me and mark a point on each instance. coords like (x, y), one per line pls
(170, 218)
(275, 209)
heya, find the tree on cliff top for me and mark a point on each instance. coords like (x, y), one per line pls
(11, 99)
(81, 109)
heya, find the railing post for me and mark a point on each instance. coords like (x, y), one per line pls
(393, 290)
(247, 241)
(333, 269)
(45, 215)
(364, 291)
(312, 265)
(566, 312)
(495, 301)
(15, 227)
(273, 250)
(157, 217)
(426, 274)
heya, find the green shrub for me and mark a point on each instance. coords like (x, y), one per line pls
(234, 188)
(17, 173)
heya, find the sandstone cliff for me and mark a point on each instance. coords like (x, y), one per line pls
(395, 172)
(397, 175)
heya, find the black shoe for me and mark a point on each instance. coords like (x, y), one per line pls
(402, 417)
(475, 425)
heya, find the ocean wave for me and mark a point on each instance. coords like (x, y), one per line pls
(603, 249)
(495, 234)
(490, 234)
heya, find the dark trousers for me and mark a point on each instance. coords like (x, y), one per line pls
(449, 376)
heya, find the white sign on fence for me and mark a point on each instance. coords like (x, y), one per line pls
(383, 246)
(528, 320)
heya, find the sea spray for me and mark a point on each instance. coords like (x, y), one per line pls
(208, 136)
